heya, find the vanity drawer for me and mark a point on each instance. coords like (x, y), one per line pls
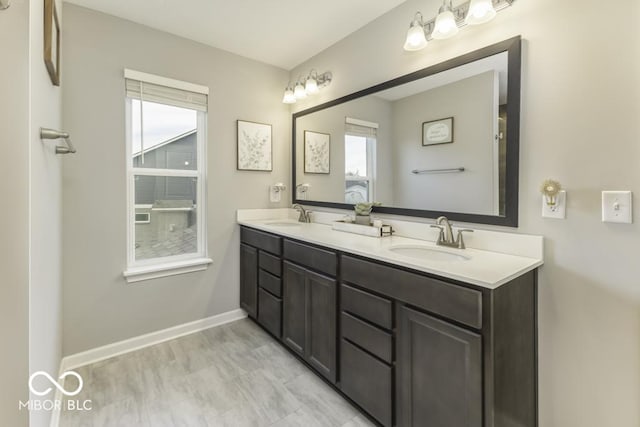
(270, 263)
(367, 381)
(455, 302)
(367, 306)
(270, 312)
(270, 282)
(261, 240)
(370, 338)
(309, 256)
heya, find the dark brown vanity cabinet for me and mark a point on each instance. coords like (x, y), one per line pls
(309, 306)
(260, 282)
(409, 348)
(464, 356)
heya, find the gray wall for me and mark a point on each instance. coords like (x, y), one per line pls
(100, 307)
(470, 103)
(14, 190)
(580, 109)
(330, 187)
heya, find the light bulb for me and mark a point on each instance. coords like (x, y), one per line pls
(299, 91)
(289, 97)
(416, 38)
(311, 86)
(445, 25)
(480, 11)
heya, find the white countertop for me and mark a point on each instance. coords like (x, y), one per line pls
(484, 268)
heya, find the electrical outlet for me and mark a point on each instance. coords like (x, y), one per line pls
(557, 211)
(275, 194)
(617, 207)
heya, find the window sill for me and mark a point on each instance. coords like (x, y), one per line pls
(156, 271)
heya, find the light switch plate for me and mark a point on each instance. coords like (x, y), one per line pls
(617, 207)
(557, 211)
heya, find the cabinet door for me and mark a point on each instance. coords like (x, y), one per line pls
(249, 279)
(439, 378)
(321, 324)
(294, 307)
(270, 312)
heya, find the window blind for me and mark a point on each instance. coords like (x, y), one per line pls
(358, 127)
(158, 89)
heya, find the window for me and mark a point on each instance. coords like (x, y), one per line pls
(359, 160)
(166, 174)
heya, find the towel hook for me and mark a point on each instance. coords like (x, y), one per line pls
(56, 134)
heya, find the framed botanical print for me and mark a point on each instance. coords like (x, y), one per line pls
(317, 152)
(254, 146)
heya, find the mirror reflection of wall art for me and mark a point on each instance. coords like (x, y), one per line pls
(52, 41)
(316, 152)
(437, 132)
(254, 146)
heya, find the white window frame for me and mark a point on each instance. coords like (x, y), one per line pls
(178, 264)
(371, 162)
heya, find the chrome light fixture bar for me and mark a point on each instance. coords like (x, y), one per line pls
(450, 19)
(306, 86)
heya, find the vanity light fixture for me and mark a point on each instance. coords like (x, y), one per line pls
(299, 92)
(289, 96)
(480, 11)
(450, 19)
(304, 87)
(311, 85)
(446, 25)
(416, 36)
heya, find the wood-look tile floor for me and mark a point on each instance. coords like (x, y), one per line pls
(232, 375)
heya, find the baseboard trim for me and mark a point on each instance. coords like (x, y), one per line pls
(121, 347)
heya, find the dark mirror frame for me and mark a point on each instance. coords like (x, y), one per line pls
(510, 218)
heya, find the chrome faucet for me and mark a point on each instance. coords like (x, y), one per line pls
(305, 215)
(445, 238)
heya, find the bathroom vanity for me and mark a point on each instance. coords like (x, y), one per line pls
(436, 340)
(413, 334)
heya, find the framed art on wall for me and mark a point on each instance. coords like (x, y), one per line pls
(52, 41)
(254, 146)
(437, 132)
(317, 152)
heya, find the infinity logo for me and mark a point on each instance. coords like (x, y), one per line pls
(55, 383)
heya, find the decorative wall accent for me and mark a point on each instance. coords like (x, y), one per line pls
(254, 146)
(52, 41)
(437, 132)
(317, 152)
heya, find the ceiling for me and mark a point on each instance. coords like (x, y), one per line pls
(283, 33)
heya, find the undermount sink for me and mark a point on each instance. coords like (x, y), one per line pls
(427, 253)
(284, 223)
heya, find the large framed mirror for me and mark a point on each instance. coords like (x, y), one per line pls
(443, 140)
